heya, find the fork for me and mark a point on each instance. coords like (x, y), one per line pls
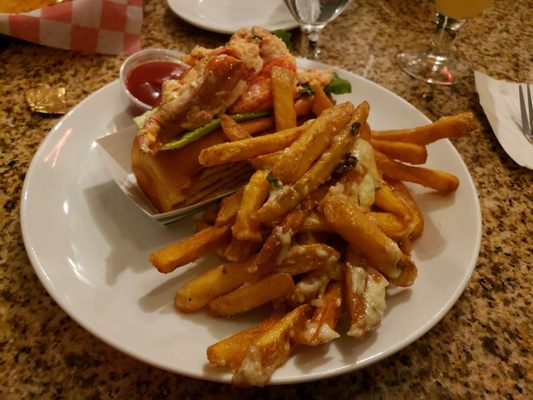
(526, 114)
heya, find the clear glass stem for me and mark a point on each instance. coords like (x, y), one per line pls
(311, 36)
(446, 31)
(438, 62)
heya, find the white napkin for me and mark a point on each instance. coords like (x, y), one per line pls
(501, 104)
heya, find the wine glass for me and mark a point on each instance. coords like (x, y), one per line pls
(313, 16)
(439, 63)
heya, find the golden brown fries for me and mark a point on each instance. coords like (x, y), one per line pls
(265, 161)
(303, 258)
(439, 180)
(321, 101)
(417, 219)
(245, 149)
(446, 127)
(364, 295)
(212, 284)
(254, 195)
(390, 225)
(299, 156)
(365, 237)
(229, 208)
(210, 214)
(321, 327)
(201, 225)
(402, 151)
(232, 130)
(271, 254)
(283, 81)
(319, 231)
(185, 251)
(317, 174)
(388, 200)
(230, 352)
(239, 250)
(271, 348)
(316, 223)
(253, 295)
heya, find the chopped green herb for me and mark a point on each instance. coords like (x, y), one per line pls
(306, 90)
(211, 126)
(284, 35)
(338, 85)
(274, 182)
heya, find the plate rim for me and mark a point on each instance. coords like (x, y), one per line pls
(226, 30)
(280, 380)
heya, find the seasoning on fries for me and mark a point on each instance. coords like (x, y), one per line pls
(320, 230)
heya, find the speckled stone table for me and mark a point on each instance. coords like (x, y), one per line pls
(480, 349)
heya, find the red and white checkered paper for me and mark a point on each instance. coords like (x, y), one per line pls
(90, 26)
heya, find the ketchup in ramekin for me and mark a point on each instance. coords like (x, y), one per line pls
(143, 73)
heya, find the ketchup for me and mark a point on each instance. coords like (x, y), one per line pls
(145, 81)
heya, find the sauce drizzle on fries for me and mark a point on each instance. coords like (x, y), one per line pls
(323, 226)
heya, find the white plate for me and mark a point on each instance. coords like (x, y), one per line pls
(89, 245)
(226, 16)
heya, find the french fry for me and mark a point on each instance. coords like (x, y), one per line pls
(416, 214)
(403, 151)
(364, 236)
(271, 254)
(321, 327)
(187, 250)
(253, 197)
(319, 172)
(200, 225)
(364, 312)
(247, 148)
(212, 284)
(303, 106)
(407, 276)
(306, 238)
(354, 295)
(310, 286)
(390, 225)
(446, 127)
(271, 349)
(258, 125)
(239, 250)
(387, 199)
(441, 181)
(232, 130)
(229, 208)
(210, 213)
(315, 223)
(365, 132)
(322, 227)
(230, 352)
(265, 161)
(283, 97)
(253, 295)
(321, 101)
(304, 258)
(313, 141)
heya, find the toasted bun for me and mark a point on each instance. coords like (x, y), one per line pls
(174, 178)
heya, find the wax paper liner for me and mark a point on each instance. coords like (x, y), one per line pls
(115, 151)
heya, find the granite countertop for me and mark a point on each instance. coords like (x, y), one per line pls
(480, 349)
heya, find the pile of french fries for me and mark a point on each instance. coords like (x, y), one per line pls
(321, 229)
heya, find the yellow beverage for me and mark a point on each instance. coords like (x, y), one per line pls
(461, 9)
